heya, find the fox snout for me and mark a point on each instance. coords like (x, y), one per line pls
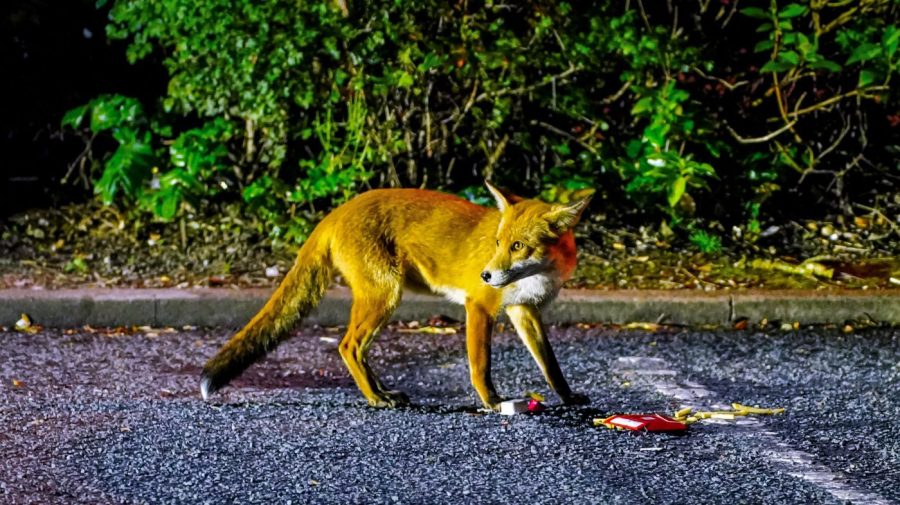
(496, 278)
(517, 271)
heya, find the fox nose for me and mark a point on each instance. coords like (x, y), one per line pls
(486, 276)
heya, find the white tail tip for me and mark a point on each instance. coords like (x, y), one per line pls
(204, 388)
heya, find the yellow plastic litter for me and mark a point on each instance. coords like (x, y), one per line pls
(756, 410)
(739, 411)
(534, 395)
(688, 416)
(683, 412)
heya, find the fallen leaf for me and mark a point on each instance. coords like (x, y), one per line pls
(24, 323)
(217, 280)
(642, 326)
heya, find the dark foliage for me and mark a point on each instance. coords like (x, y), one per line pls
(694, 112)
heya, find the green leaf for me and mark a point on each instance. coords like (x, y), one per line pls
(676, 191)
(104, 115)
(775, 66)
(804, 44)
(889, 40)
(656, 134)
(754, 12)
(304, 98)
(126, 170)
(866, 77)
(633, 148)
(792, 11)
(76, 264)
(790, 57)
(644, 104)
(762, 46)
(823, 64)
(166, 205)
(405, 80)
(73, 117)
(431, 60)
(866, 51)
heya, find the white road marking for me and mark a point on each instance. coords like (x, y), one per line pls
(802, 465)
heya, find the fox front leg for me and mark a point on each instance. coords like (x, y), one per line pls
(527, 321)
(479, 324)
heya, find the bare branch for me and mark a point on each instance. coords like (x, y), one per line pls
(526, 89)
(492, 160)
(764, 138)
(618, 94)
(723, 82)
(835, 99)
(566, 134)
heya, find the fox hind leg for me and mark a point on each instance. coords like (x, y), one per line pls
(370, 311)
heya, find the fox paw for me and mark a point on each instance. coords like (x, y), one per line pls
(576, 399)
(493, 403)
(390, 400)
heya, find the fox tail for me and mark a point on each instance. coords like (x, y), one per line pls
(299, 292)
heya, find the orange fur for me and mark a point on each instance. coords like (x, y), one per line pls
(386, 240)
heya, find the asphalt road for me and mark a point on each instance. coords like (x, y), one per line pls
(96, 418)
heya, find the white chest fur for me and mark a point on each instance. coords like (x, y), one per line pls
(537, 289)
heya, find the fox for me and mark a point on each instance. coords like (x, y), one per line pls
(514, 258)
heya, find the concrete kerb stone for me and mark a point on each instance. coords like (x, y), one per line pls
(233, 308)
(817, 307)
(688, 308)
(77, 307)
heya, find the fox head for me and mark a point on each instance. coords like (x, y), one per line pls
(533, 237)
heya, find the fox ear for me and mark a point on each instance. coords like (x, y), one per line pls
(563, 218)
(504, 199)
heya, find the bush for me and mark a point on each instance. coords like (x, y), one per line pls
(702, 111)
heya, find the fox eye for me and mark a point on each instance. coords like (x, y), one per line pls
(498, 243)
(516, 246)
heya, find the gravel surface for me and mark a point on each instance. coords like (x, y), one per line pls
(98, 417)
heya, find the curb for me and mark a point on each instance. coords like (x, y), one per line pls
(233, 308)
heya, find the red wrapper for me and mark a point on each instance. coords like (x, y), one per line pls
(535, 406)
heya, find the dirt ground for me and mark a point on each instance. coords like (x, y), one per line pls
(99, 246)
